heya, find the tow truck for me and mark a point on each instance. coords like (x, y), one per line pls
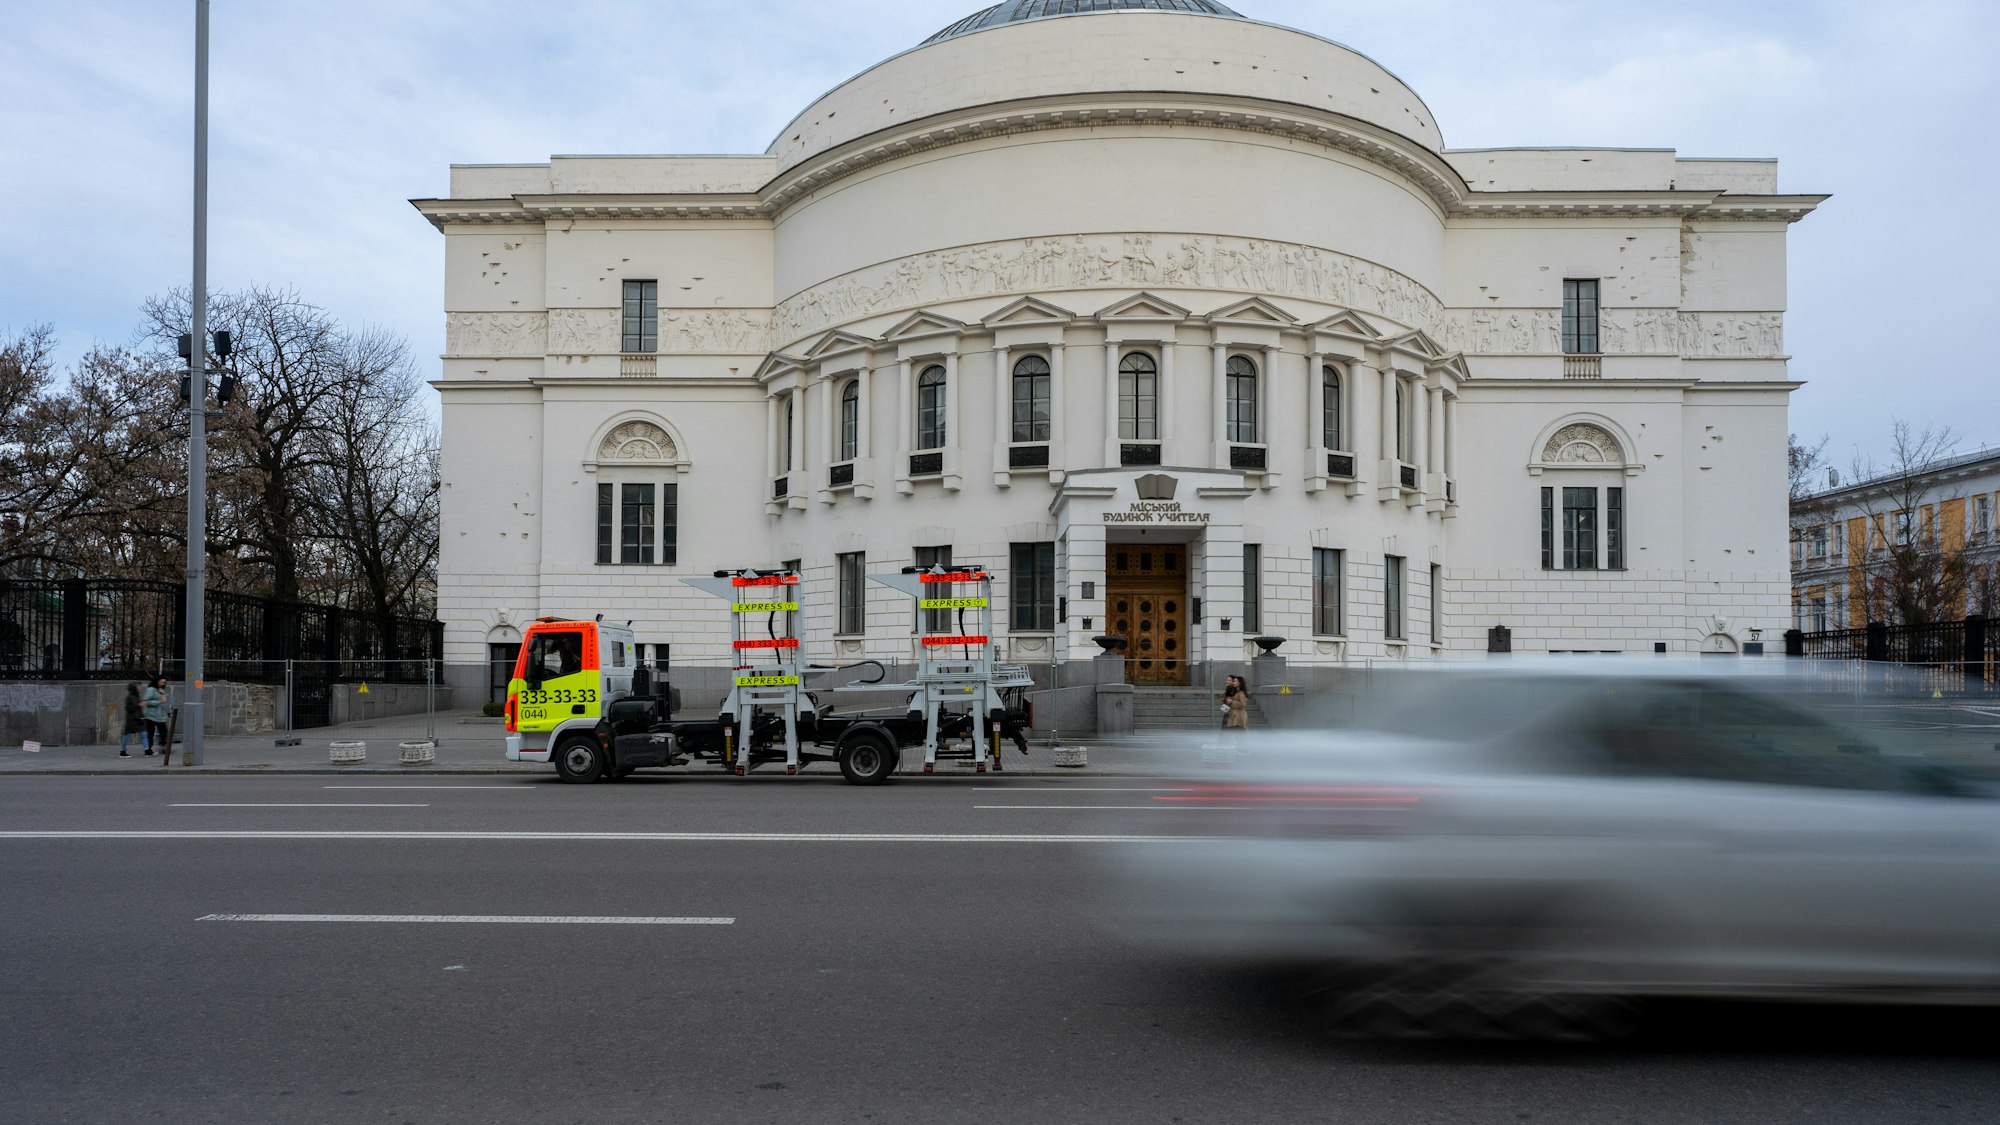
(580, 699)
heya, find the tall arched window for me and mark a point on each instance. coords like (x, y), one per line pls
(1402, 424)
(1138, 398)
(930, 408)
(1031, 399)
(850, 420)
(1240, 391)
(1329, 409)
(789, 422)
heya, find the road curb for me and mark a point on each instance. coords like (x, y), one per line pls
(479, 771)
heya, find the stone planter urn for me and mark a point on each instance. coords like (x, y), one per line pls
(348, 753)
(419, 753)
(1069, 757)
(1267, 645)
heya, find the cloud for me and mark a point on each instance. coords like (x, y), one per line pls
(328, 117)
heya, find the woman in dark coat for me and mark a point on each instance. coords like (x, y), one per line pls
(135, 719)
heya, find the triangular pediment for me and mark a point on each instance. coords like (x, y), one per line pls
(1253, 310)
(1028, 311)
(1142, 306)
(1454, 364)
(920, 324)
(1417, 343)
(776, 364)
(1346, 322)
(835, 342)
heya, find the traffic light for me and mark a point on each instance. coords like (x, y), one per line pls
(225, 387)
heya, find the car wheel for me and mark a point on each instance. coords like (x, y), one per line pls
(869, 760)
(578, 760)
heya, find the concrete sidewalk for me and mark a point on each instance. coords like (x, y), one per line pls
(470, 743)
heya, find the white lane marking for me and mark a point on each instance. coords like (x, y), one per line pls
(1167, 808)
(508, 919)
(293, 805)
(501, 788)
(1068, 789)
(662, 837)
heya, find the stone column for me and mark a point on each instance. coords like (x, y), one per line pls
(1163, 389)
(906, 425)
(1057, 431)
(1218, 404)
(954, 432)
(825, 391)
(1003, 415)
(1111, 439)
(774, 458)
(1388, 474)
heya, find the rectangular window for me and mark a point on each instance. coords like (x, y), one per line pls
(1392, 598)
(500, 660)
(1816, 614)
(850, 420)
(1816, 542)
(1253, 588)
(1329, 571)
(934, 620)
(1579, 528)
(606, 517)
(1982, 515)
(1437, 604)
(1579, 317)
(670, 519)
(1905, 525)
(791, 420)
(1839, 539)
(1548, 529)
(853, 580)
(1031, 399)
(1031, 592)
(1614, 528)
(635, 524)
(642, 317)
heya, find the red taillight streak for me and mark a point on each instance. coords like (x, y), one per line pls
(1327, 800)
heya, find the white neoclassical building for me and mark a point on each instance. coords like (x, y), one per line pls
(1187, 326)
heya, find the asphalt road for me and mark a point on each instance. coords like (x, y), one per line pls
(946, 969)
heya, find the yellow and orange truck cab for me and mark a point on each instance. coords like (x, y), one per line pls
(566, 674)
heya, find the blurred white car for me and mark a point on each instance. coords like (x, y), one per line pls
(1586, 832)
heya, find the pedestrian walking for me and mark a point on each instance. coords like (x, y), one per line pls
(1236, 704)
(153, 708)
(135, 719)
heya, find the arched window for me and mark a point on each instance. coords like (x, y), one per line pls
(850, 420)
(1402, 424)
(1329, 410)
(930, 408)
(1240, 391)
(1031, 399)
(1138, 398)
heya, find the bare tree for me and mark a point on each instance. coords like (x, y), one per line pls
(1914, 569)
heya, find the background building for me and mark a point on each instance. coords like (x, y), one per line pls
(1909, 547)
(1188, 326)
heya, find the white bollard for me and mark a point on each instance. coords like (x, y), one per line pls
(348, 753)
(419, 753)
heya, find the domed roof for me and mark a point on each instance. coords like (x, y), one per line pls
(1018, 11)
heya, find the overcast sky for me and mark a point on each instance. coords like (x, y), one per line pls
(327, 117)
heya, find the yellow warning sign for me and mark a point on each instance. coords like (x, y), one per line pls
(764, 607)
(363, 689)
(765, 681)
(953, 603)
(1286, 690)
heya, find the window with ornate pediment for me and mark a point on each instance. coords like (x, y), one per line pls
(850, 420)
(1582, 443)
(1240, 399)
(637, 440)
(931, 390)
(1031, 399)
(1138, 397)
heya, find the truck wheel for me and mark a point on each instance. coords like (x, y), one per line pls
(869, 760)
(578, 760)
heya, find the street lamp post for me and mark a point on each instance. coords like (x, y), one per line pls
(197, 539)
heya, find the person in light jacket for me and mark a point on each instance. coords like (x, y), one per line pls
(1236, 704)
(153, 707)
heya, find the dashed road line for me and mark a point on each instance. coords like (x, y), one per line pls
(505, 919)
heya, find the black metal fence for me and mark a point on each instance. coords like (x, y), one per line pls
(1962, 651)
(114, 629)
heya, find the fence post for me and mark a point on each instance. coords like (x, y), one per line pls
(430, 701)
(75, 626)
(1975, 647)
(1795, 642)
(291, 699)
(336, 624)
(1878, 641)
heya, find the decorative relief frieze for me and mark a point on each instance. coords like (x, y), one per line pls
(1040, 265)
(1581, 443)
(1701, 335)
(637, 441)
(583, 331)
(726, 331)
(493, 334)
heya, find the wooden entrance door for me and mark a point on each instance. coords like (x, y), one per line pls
(1146, 587)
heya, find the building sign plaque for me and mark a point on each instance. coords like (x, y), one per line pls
(1155, 511)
